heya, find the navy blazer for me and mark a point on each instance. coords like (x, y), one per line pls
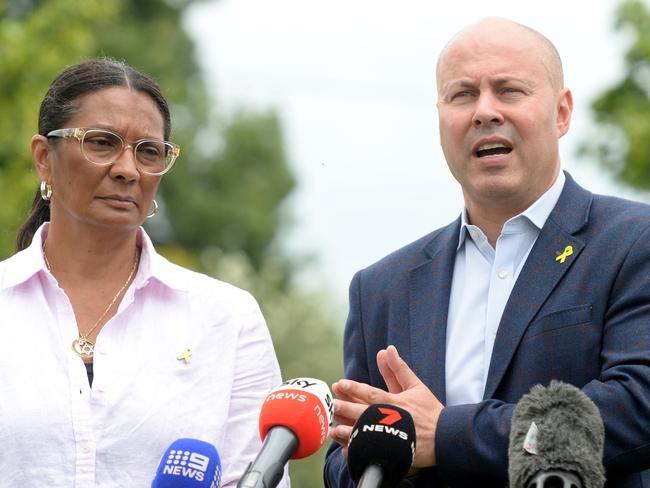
(585, 321)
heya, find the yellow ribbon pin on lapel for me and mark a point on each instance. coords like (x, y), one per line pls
(186, 355)
(567, 252)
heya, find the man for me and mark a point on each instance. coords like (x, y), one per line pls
(537, 280)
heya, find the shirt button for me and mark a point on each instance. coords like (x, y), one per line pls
(474, 234)
(503, 274)
(86, 449)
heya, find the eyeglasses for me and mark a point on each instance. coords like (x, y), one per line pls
(103, 147)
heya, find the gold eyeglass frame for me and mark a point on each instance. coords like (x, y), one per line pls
(79, 133)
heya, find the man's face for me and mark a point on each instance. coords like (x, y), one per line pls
(500, 117)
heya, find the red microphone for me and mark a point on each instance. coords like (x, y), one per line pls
(294, 423)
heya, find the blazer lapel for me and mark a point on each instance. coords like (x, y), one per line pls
(550, 259)
(430, 287)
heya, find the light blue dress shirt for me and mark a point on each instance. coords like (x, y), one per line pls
(481, 285)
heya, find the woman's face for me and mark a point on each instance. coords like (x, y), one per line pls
(118, 195)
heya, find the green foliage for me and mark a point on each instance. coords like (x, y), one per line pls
(221, 205)
(233, 201)
(622, 112)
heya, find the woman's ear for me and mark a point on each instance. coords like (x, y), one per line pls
(41, 156)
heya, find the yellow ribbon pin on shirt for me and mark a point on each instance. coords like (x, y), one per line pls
(186, 355)
(567, 252)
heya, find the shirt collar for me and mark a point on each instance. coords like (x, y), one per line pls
(154, 266)
(537, 213)
(23, 265)
(464, 222)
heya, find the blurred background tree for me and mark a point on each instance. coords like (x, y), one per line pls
(622, 112)
(221, 206)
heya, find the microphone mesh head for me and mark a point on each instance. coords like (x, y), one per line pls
(384, 435)
(567, 435)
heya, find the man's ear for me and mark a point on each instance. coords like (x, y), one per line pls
(564, 111)
(41, 156)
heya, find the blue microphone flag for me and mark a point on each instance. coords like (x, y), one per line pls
(189, 463)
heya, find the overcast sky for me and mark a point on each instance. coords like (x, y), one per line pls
(353, 83)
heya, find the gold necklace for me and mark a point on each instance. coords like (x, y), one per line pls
(82, 346)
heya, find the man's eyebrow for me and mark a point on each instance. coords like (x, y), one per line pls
(503, 80)
(460, 83)
(498, 81)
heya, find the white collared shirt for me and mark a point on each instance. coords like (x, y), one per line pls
(481, 285)
(56, 431)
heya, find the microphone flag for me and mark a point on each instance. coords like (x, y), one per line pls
(188, 463)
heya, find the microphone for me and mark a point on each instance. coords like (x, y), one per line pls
(189, 463)
(381, 447)
(556, 440)
(294, 423)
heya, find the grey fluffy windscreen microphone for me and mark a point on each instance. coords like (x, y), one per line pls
(556, 440)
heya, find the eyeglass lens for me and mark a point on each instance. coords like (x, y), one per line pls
(103, 147)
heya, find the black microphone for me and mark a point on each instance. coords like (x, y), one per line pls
(556, 440)
(381, 447)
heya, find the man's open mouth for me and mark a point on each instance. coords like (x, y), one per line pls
(492, 149)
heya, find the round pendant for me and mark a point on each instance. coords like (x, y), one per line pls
(83, 347)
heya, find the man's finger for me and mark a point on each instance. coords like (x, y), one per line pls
(405, 376)
(340, 390)
(348, 412)
(342, 419)
(341, 434)
(389, 376)
(360, 392)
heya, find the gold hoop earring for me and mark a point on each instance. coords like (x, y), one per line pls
(154, 210)
(46, 191)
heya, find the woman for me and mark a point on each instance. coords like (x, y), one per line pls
(108, 352)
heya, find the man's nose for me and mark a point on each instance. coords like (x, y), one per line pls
(487, 111)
